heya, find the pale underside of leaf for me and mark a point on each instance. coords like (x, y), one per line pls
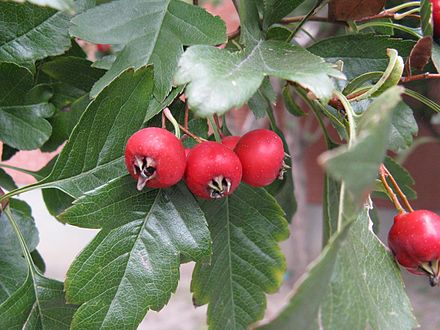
(219, 80)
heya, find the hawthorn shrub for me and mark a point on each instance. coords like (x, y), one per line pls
(171, 65)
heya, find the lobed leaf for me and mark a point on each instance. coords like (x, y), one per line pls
(219, 80)
(246, 260)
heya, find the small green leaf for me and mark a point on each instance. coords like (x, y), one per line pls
(263, 99)
(291, 104)
(401, 175)
(351, 50)
(152, 32)
(246, 262)
(403, 128)
(137, 253)
(74, 71)
(25, 127)
(219, 80)
(275, 10)
(31, 33)
(6, 182)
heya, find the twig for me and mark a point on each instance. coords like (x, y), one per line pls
(186, 119)
(421, 76)
(191, 134)
(396, 186)
(382, 176)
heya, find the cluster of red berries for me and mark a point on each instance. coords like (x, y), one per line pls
(414, 240)
(157, 159)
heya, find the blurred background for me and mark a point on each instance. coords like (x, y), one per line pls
(59, 244)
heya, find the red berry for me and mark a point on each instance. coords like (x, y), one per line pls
(187, 150)
(212, 170)
(261, 153)
(104, 48)
(155, 158)
(414, 239)
(230, 141)
(436, 17)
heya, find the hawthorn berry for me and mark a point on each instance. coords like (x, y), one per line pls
(212, 170)
(230, 141)
(261, 153)
(436, 17)
(155, 158)
(414, 240)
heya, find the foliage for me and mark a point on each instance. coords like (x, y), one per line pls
(52, 95)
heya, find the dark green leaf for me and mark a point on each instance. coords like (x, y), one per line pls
(351, 50)
(6, 182)
(31, 33)
(137, 253)
(63, 122)
(38, 261)
(15, 82)
(83, 166)
(74, 71)
(246, 262)
(426, 17)
(275, 10)
(155, 106)
(152, 32)
(219, 80)
(331, 198)
(13, 270)
(8, 152)
(263, 99)
(280, 33)
(250, 31)
(290, 103)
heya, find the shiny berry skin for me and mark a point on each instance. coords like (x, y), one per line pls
(104, 48)
(261, 153)
(187, 150)
(436, 17)
(212, 170)
(155, 158)
(230, 141)
(414, 239)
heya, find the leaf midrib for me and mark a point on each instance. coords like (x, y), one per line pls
(147, 216)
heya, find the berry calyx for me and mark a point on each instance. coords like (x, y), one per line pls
(261, 153)
(436, 17)
(155, 158)
(230, 141)
(212, 171)
(414, 240)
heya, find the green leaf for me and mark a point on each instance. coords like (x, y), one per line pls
(426, 17)
(403, 128)
(151, 32)
(31, 33)
(55, 4)
(246, 262)
(155, 106)
(74, 71)
(366, 290)
(358, 165)
(351, 50)
(263, 99)
(275, 10)
(136, 254)
(6, 181)
(25, 127)
(303, 307)
(13, 268)
(219, 80)
(63, 122)
(38, 304)
(22, 214)
(250, 31)
(82, 166)
(291, 104)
